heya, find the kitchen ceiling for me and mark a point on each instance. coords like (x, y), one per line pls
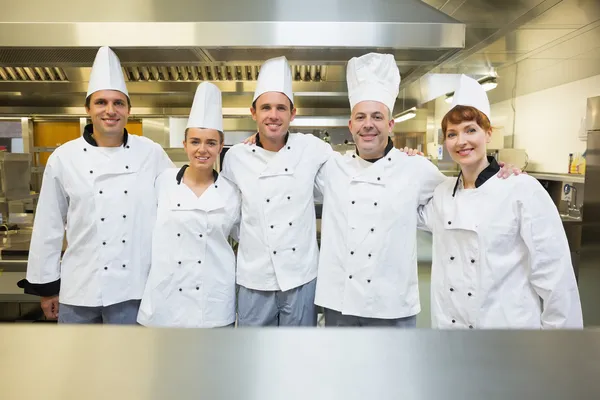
(166, 48)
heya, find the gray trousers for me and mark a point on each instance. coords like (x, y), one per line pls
(295, 307)
(118, 314)
(335, 318)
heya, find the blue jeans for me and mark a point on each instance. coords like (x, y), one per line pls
(336, 318)
(294, 307)
(124, 313)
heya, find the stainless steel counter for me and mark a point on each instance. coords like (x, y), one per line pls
(14, 248)
(85, 362)
(570, 178)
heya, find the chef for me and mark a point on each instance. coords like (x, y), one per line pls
(368, 266)
(501, 259)
(192, 278)
(100, 187)
(277, 255)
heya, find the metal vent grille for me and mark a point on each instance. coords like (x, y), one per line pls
(47, 56)
(32, 74)
(183, 73)
(84, 56)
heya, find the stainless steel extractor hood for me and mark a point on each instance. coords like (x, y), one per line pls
(167, 47)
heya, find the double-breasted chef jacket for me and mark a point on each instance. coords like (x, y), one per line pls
(192, 278)
(368, 260)
(501, 259)
(105, 198)
(278, 243)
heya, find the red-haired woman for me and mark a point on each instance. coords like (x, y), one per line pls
(500, 254)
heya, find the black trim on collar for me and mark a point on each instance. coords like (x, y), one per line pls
(484, 175)
(179, 176)
(259, 144)
(88, 132)
(388, 147)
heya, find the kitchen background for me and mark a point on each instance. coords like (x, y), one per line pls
(540, 60)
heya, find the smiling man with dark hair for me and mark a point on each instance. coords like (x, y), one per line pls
(100, 187)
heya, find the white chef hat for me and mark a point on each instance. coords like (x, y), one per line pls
(106, 73)
(206, 111)
(275, 76)
(373, 77)
(471, 93)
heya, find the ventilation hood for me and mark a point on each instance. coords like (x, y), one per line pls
(167, 47)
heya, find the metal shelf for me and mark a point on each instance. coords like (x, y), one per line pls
(573, 178)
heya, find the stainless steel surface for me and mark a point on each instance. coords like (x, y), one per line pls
(590, 236)
(140, 363)
(568, 178)
(27, 134)
(156, 129)
(166, 48)
(14, 266)
(175, 42)
(559, 46)
(264, 23)
(592, 117)
(10, 292)
(542, 44)
(15, 176)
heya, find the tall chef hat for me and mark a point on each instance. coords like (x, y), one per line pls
(471, 93)
(275, 76)
(207, 111)
(373, 77)
(106, 73)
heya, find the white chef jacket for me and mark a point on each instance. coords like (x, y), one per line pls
(192, 278)
(500, 257)
(106, 200)
(278, 242)
(368, 260)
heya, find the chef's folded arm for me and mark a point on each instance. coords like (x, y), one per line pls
(43, 265)
(552, 275)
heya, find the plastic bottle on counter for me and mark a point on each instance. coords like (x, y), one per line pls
(570, 163)
(581, 165)
(574, 163)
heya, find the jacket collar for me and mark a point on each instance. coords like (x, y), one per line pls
(259, 144)
(484, 175)
(179, 176)
(388, 147)
(88, 133)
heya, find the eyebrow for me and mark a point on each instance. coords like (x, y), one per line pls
(103, 99)
(273, 105)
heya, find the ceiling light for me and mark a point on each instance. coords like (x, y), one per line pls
(406, 115)
(489, 85)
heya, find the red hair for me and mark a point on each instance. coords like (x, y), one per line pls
(460, 114)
